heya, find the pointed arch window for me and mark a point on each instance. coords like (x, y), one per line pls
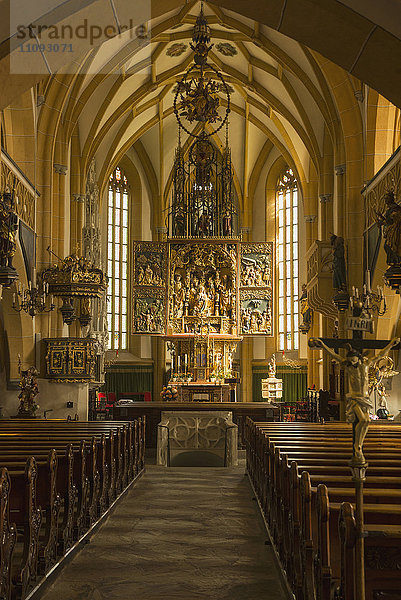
(287, 260)
(117, 259)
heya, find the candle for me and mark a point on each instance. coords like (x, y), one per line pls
(368, 280)
(364, 289)
(353, 290)
(14, 298)
(34, 277)
(179, 363)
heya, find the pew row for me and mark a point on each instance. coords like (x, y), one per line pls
(57, 481)
(305, 491)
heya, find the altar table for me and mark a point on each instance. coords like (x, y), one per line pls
(258, 411)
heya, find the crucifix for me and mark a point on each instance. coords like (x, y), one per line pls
(356, 364)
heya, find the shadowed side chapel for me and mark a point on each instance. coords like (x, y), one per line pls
(200, 271)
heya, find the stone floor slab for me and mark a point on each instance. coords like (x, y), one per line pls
(179, 534)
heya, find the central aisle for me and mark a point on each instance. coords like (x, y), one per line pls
(180, 533)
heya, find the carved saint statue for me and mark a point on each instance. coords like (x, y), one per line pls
(356, 365)
(8, 228)
(227, 223)
(390, 221)
(272, 366)
(339, 269)
(305, 308)
(179, 296)
(29, 390)
(382, 412)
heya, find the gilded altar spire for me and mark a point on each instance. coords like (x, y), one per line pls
(203, 203)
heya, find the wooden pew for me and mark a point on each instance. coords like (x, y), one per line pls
(302, 521)
(81, 468)
(8, 535)
(28, 518)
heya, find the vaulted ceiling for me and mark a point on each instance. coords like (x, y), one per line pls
(124, 91)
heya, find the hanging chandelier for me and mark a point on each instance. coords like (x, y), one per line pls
(203, 203)
(32, 300)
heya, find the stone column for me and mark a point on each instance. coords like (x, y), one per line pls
(246, 351)
(159, 365)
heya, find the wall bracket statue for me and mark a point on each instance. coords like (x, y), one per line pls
(390, 223)
(29, 390)
(8, 245)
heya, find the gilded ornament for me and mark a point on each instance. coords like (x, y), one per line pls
(75, 276)
(8, 244)
(149, 264)
(29, 390)
(176, 49)
(226, 49)
(70, 360)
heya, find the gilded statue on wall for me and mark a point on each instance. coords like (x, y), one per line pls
(8, 229)
(29, 390)
(390, 222)
(272, 366)
(306, 311)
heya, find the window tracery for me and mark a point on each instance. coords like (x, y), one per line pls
(117, 259)
(287, 260)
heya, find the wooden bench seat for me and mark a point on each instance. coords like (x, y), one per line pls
(303, 482)
(58, 479)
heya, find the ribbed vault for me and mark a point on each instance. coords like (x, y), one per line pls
(123, 92)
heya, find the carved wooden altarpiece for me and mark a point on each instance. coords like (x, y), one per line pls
(204, 288)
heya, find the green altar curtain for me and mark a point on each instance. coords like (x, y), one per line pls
(128, 378)
(295, 382)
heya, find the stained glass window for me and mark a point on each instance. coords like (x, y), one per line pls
(287, 256)
(117, 257)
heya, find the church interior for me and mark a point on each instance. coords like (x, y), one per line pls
(200, 316)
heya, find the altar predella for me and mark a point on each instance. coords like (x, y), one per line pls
(203, 288)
